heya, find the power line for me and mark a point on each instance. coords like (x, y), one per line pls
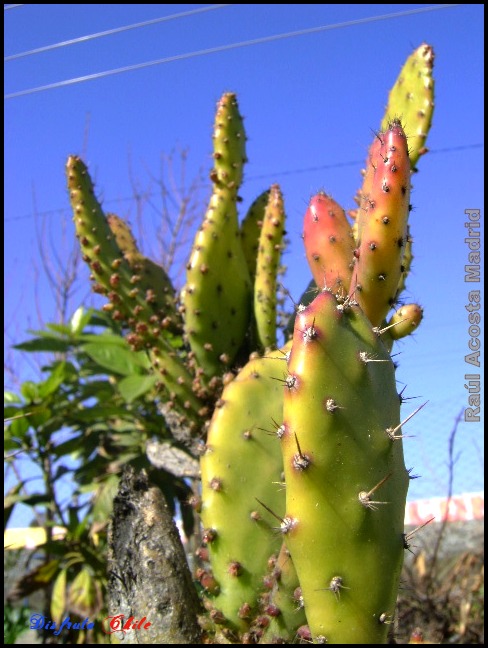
(110, 32)
(224, 48)
(338, 165)
(322, 167)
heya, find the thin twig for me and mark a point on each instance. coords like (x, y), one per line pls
(451, 462)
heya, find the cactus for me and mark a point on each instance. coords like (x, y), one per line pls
(303, 482)
(284, 603)
(217, 294)
(340, 403)
(113, 276)
(329, 243)
(405, 320)
(251, 229)
(382, 237)
(242, 464)
(412, 100)
(267, 265)
(151, 275)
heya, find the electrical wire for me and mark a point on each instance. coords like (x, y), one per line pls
(225, 48)
(336, 165)
(110, 32)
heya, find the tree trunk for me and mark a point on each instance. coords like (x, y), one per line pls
(148, 572)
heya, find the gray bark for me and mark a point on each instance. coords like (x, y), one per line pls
(148, 571)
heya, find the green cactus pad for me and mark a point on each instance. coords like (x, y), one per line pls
(217, 293)
(307, 297)
(268, 261)
(113, 275)
(229, 144)
(154, 280)
(251, 230)
(344, 535)
(283, 604)
(406, 262)
(412, 100)
(243, 464)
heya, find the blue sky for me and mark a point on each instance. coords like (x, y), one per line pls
(310, 103)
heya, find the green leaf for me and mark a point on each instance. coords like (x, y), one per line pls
(105, 338)
(97, 413)
(100, 318)
(34, 500)
(99, 389)
(37, 579)
(9, 502)
(134, 386)
(113, 358)
(79, 529)
(104, 498)
(18, 428)
(47, 344)
(11, 413)
(63, 329)
(128, 439)
(67, 447)
(58, 597)
(52, 383)
(29, 391)
(82, 593)
(73, 519)
(80, 320)
(140, 357)
(9, 445)
(10, 397)
(39, 417)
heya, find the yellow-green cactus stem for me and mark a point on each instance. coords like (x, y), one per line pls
(346, 481)
(251, 230)
(229, 144)
(113, 276)
(412, 100)
(243, 464)
(267, 265)
(154, 278)
(217, 296)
